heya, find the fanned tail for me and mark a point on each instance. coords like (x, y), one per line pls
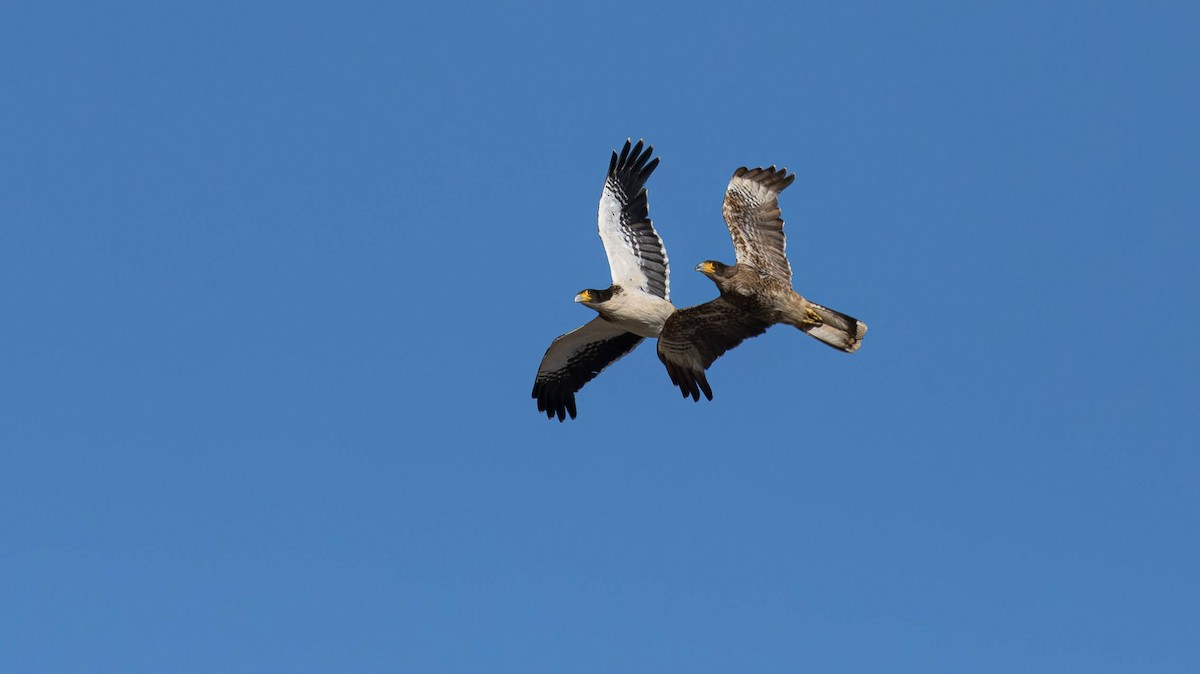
(836, 329)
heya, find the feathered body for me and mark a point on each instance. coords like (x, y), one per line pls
(772, 300)
(639, 313)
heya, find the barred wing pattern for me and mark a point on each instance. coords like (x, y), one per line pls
(636, 255)
(693, 338)
(751, 211)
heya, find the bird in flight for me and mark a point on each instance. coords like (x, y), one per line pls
(756, 291)
(634, 306)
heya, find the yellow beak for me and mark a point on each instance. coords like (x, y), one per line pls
(584, 296)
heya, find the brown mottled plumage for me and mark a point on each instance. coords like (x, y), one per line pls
(756, 292)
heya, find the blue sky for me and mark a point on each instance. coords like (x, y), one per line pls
(276, 278)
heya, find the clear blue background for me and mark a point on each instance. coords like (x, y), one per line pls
(275, 279)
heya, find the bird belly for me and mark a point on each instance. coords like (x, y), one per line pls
(644, 317)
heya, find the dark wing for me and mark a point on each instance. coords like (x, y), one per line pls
(751, 212)
(573, 360)
(636, 256)
(693, 338)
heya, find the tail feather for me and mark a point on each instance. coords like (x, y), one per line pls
(836, 329)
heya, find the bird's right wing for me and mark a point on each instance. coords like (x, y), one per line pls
(636, 255)
(751, 211)
(693, 338)
(573, 360)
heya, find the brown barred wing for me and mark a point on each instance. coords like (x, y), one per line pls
(693, 338)
(752, 214)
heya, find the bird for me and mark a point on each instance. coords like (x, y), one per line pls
(755, 293)
(633, 307)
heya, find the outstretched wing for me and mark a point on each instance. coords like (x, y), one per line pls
(573, 360)
(636, 255)
(693, 338)
(751, 212)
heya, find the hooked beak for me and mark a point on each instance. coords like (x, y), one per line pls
(584, 296)
(705, 268)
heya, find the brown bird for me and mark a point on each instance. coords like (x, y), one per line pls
(756, 292)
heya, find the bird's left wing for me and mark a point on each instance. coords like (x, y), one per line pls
(751, 211)
(573, 360)
(636, 256)
(693, 338)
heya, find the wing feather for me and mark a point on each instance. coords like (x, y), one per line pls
(752, 214)
(636, 255)
(693, 338)
(573, 360)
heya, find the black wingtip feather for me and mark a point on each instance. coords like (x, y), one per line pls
(690, 383)
(703, 381)
(634, 164)
(624, 154)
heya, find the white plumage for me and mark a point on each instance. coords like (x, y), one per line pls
(637, 303)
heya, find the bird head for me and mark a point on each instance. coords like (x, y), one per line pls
(712, 269)
(591, 296)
